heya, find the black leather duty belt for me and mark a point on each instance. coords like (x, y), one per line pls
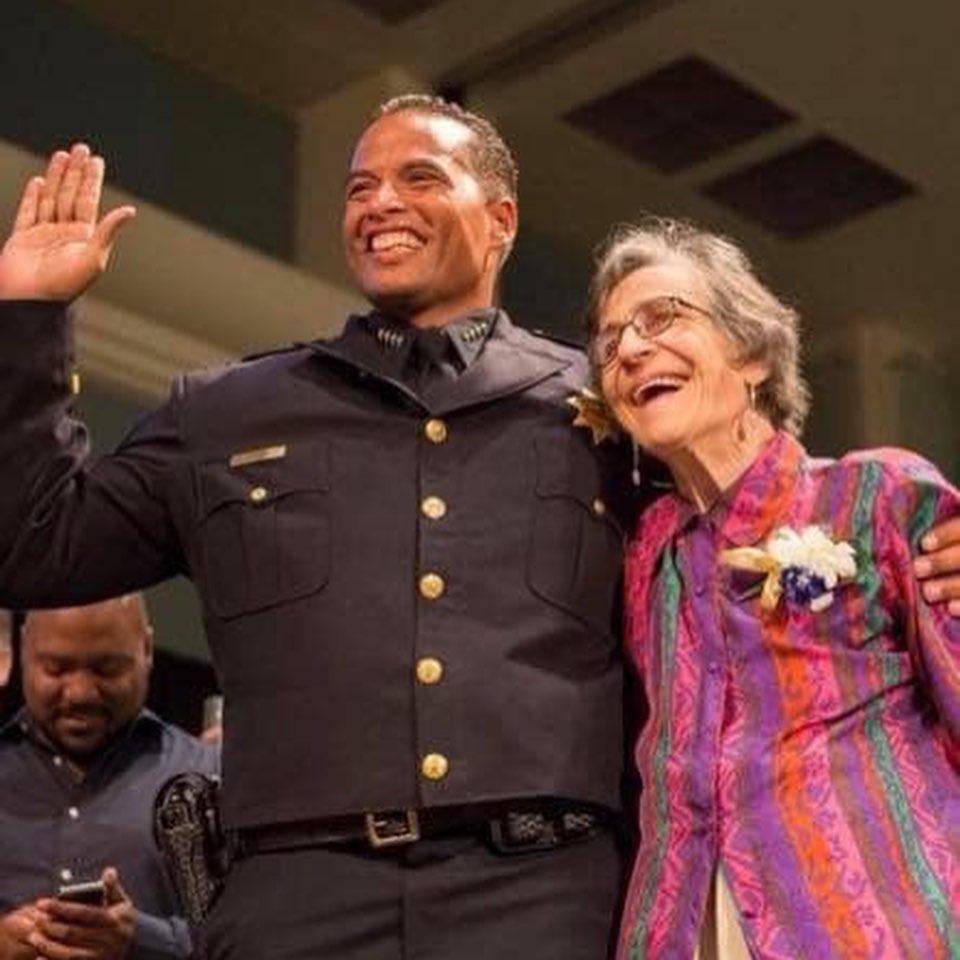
(508, 829)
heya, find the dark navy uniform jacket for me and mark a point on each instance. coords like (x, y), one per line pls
(410, 600)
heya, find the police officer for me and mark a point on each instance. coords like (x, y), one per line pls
(407, 560)
(407, 553)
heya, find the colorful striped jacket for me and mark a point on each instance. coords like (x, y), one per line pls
(813, 756)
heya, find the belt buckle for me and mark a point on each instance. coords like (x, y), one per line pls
(383, 829)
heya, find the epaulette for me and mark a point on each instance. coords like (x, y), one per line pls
(563, 341)
(288, 348)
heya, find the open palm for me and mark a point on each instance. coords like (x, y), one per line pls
(58, 247)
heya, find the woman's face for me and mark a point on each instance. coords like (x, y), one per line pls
(681, 389)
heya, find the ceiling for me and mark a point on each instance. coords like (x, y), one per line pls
(823, 135)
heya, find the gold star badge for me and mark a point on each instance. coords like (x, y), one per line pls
(592, 413)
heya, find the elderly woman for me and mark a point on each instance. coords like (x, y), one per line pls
(800, 761)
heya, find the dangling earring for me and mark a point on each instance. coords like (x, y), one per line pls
(752, 395)
(635, 473)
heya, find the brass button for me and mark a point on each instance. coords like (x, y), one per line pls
(432, 586)
(436, 430)
(258, 494)
(429, 670)
(599, 507)
(433, 507)
(434, 766)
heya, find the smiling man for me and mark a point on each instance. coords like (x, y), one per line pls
(430, 213)
(458, 784)
(408, 557)
(79, 767)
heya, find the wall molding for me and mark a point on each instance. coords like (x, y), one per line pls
(179, 296)
(135, 355)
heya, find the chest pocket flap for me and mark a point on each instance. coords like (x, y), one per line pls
(264, 529)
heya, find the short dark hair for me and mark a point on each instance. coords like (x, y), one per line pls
(494, 164)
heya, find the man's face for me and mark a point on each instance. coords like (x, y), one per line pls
(421, 236)
(85, 673)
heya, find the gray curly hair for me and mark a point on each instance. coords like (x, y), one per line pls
(761, 327)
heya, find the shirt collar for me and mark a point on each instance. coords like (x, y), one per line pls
(747, 512)
(20, 726)
(468, 335)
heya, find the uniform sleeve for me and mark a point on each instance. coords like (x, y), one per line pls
(916, 498)
(73, 531)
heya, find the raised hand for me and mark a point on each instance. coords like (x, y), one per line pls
(58, 247)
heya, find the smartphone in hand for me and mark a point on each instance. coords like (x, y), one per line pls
(91, 892)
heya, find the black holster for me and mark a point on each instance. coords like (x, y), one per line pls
(186, 830)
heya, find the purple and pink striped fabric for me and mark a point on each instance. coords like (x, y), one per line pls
(814, 757)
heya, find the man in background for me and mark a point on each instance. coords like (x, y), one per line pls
(80, 765)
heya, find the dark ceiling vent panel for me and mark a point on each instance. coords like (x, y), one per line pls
(808, 189)
(684, 113)
(394, 11)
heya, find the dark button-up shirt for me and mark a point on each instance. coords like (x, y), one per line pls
(56, 830)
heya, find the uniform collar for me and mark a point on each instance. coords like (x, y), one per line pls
(468, 335)
(504, 360)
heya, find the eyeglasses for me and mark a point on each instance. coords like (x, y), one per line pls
(649, 320)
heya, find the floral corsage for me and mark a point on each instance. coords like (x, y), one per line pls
(803, 566)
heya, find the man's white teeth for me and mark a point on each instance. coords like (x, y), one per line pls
(395, 238)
